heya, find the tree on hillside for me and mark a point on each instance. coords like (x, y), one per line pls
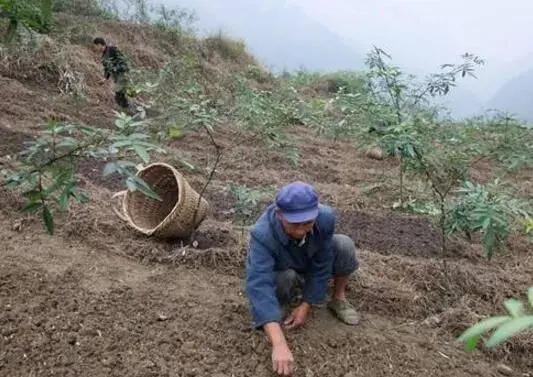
(35, 15)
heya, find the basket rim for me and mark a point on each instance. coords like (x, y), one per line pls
(163, 222)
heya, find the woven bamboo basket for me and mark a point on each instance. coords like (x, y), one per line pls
(170, 218)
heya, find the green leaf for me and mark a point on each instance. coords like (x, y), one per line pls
(137, 136)
(132, 186)
(530, 296)
(510, 329)
(63, 201)
(143, 154)
(89, 131)
(471, 343)
(109, 169)
(48, 220)
(144, 187)
(68, 142)
(482, 327)
(147, 144)
(32, 195)
(122, 143)
(79, 197)
(174, 132)
(150, 193)
(32, 207)
(514, 307)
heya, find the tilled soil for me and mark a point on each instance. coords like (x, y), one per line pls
(393, 233)
(68, 310)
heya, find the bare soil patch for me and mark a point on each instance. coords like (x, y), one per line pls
(12, 141)
(99, 314)
(394, 233)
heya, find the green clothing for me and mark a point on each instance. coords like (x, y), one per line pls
(114, 62)
(116, 66)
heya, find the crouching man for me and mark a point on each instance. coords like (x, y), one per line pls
(293, 246)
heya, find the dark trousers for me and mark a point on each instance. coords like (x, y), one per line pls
(289, 282)
(121, 99)
(121, 89)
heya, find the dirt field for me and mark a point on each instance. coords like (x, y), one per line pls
(98, 299)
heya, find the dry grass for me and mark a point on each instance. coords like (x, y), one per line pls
(228, 48)
(63, 68)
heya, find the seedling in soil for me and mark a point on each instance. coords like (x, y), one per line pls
(491, 210)
(505, 326)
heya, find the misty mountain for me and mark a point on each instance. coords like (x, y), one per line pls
(516, 96)
(283, 36)
(279, 34)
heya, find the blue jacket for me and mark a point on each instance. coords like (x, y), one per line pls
(270, 251)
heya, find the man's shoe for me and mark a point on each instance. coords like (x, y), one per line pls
(344, 311)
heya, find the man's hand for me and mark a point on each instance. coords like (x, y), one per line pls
(298, 316)
(282, 359)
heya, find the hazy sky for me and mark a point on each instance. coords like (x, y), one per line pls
(496, 29)
(422, 34)
(426, 33)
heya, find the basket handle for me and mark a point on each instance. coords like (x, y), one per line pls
(113, 205)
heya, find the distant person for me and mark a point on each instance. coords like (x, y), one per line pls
(116, 66)
(293, 246)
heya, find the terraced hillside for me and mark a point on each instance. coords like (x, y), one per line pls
(98, 299)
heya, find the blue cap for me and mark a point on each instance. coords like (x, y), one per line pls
(298, 202)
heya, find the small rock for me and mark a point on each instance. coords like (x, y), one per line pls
(71, 339)
(162, 317)
(17, 225)
(432, 321)
(148, 364)
(189, 348)
(504, 369)
(107, 361)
